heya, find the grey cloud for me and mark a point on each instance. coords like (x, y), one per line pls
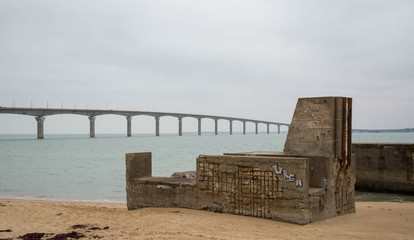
(239, 58)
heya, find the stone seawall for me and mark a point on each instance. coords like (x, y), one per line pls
(384, 167)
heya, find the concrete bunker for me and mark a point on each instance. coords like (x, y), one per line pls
(312, 179)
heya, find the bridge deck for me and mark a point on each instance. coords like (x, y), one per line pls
(41, 113)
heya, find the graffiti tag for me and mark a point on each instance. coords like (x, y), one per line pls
(291, 177)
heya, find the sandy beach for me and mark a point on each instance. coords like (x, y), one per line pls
(91, 220)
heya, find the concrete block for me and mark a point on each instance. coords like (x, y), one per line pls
(384, 167)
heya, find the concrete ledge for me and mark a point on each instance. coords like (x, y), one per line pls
(166, 181)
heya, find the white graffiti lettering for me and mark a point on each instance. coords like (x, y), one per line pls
(278, 169)
(285, 174)
(291, 177)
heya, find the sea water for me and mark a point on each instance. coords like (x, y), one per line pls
(76, 167)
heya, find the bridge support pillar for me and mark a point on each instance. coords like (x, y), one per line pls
(278, 129)
(180, 126)
(92, 126)
(157, 126)
(129, 118)
(244, 128)
(257, 128)
(268, 128)
(216, 126)
(231, 127)
(40, 132)
(199, 126)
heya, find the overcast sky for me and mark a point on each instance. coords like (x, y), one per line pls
(249, 59)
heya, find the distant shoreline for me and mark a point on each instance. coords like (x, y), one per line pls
(404, 130)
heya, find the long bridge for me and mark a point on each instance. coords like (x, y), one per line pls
(41, 113)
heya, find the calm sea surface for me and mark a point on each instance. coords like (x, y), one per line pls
(76, 167)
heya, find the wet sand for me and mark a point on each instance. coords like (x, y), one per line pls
(90, 220)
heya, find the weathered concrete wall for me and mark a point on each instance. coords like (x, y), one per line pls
(384, 167)
(266, 187)
(143, 190)
(322, 127)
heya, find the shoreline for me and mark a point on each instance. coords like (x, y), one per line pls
(360, 196)
(108, 220)
(60, 200)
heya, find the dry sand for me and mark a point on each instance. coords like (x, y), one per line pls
(373, 220)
